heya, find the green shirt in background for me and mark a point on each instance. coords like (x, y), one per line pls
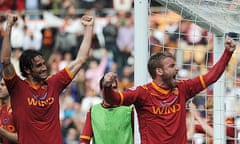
(112, 125)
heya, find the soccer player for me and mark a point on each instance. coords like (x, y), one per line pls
(160, 104)
(8, 133)
(35, 99)
(108, 124)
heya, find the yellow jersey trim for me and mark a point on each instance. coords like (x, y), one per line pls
(202, 81)
(85, 137)
(69, 72)
(121, 98)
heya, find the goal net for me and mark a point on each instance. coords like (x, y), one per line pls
(217, 16)
(194, 31)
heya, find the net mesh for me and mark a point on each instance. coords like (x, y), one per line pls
(213, 15)
(186, 28)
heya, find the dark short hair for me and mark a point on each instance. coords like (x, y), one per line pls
(101, 83)
(25, 61)
(155, 61)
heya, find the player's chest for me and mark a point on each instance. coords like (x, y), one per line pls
(164, 103)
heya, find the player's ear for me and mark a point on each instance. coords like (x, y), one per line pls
(159, 71)
(28, 71)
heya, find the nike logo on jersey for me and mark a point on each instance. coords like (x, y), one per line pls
(163, 104)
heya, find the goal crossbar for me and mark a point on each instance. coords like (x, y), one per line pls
(217, 16)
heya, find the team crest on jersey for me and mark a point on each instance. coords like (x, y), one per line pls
(5, 121)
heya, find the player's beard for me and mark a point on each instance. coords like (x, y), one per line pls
(40, 76)
(169, 80)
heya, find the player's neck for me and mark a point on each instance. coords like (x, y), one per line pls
(161, 84)
(34, 84)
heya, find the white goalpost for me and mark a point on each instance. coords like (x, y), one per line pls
(141, 51)
(218, 17)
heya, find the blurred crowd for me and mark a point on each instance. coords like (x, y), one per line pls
(53, 27)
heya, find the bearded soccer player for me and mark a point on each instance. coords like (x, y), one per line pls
(160, 104)
(35, 99)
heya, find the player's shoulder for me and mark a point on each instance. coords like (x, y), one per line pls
(146, 86)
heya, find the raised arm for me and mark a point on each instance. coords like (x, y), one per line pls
(108, 92)
(74, 66)
(216, 71)
(8, 69)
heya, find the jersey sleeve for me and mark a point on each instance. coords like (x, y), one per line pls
(199, 83)
(12, 82)
(87, 131)
(216, 71)
(61, 79)
(127, 97)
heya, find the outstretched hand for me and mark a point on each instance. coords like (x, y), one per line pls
(11, 19)
(230, 44)
(87, 20)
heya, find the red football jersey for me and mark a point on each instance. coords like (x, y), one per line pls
(6, 121)
(161, 112)
(36, 109)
